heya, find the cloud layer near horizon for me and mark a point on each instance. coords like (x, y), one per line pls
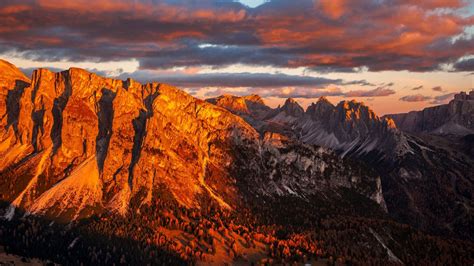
(324, 35)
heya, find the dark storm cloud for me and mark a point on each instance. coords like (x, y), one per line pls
(318, 35)
(465, 65)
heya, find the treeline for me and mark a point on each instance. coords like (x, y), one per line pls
(32, 237)
(284, 230)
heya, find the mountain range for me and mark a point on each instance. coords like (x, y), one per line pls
(164, 177)
(427, 179)
(454, 118)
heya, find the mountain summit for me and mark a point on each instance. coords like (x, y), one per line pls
(292, 108)
(135, 173)
(421, 176)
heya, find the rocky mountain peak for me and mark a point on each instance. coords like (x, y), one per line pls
(389, 122)
(322, 108)
(463, 96)
(12, 85)
(75, 144)
(250, 107)
(99, 136)
(232, 103)
(10, 73)
(254, 98)
(292, 108)
(413, 166)
(194, 179)
(323, 99)
(354, 110)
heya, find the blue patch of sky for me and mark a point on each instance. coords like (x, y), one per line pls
(252, 3)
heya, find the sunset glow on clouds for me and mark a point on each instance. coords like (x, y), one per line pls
(279, 48)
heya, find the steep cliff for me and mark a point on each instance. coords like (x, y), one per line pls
(426, 181)
(84, 144)
(12, 84)
(137, 174)
(454, 118)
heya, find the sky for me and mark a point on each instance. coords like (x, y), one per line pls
(394, 55)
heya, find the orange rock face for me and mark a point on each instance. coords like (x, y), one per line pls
(122, 137)
(75, 144)
(12, 85)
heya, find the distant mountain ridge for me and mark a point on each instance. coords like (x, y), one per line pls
(80, 144)
(105, 171)
(349, 127)
(456, 117)
(426, 183)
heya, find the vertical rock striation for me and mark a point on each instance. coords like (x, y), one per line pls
(77, 144)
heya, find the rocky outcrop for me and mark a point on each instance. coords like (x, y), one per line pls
(124, 137)
(85, 144)
(250, 106)
(321, 109)
(235, 104)
(12, 85)
(349, 127)
(427, 182)
(456, 117)
(292, 108)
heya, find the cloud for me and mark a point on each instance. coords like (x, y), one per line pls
(257, 80)
(377, 92)
(265, 84)
(289, 92)
(437, 89)
(294, 92)
(415, 98)
(417, 88)
(442, 99)
(325, 35)
(465, 65)
(333, 8)
(359, 82)
(307, 93)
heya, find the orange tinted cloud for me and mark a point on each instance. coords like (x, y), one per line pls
(333, 8)
(12, 9)
(323, 35)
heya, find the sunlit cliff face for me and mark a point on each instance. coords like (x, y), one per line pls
(77, 124)
(76, 144)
